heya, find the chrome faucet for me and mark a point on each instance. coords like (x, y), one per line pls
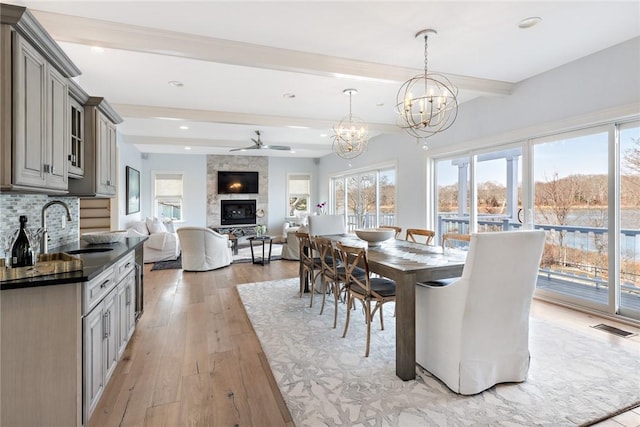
(44, 243)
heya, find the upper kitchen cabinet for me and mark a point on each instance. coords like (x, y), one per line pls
(77, 99)
(100, 162)
(34, 100)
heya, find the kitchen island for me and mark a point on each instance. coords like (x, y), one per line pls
(49, 352)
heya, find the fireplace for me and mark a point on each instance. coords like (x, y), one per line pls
(236, 212)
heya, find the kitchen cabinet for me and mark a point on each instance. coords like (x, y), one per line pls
(126, 310)
(100, 162)
(109, 322)
(77, 98)
(34, 99)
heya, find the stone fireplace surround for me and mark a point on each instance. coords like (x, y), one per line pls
(236, 163)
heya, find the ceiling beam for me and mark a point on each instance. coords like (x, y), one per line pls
(80, 30)
(226, 117)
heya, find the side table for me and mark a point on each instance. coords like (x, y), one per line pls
(263, 239)
(234, 243)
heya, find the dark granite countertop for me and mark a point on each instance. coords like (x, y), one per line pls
(93, 264)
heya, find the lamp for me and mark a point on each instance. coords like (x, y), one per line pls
(434, 107)
(351, 134)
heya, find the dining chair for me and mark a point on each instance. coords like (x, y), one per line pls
(365, 289)
(310, 266)
(398, 230)
(334, 273)
(412, 232)
(451, 241)
(474, 332)
(448, 239)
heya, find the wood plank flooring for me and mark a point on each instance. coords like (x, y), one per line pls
(194, 359)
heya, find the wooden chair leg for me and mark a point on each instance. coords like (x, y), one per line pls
(367, 305)
(323, 280)
(346, 323)
(336, 297)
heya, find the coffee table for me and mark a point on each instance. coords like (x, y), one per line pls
(262, 239)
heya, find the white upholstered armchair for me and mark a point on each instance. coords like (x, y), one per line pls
(203, 249)
(474, 332)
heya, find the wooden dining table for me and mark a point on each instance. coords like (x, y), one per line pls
(406, 263)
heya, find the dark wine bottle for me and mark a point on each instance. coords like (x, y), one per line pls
(21, 253)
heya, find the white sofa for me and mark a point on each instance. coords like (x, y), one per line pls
(203, 249)
(162, 244)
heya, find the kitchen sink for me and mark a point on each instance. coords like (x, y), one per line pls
(88, 251)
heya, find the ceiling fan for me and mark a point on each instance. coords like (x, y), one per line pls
(259, 145)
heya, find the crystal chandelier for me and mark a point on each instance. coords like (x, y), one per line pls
(427, 103)
(351, 134)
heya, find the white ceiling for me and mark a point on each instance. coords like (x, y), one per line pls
(237, 60)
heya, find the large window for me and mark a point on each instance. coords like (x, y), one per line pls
(368, 198)
(581, 187)
(298, 195)
(167, 195)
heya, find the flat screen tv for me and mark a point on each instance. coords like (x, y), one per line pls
(237, 182)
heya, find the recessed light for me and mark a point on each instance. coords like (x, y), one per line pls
(292, 151)
(380, 104)
(298, 127)
(323, 135)
(97, 49)
(187, 148)
(289, 95)
(183, 127)
(176, 83)
(529, 22)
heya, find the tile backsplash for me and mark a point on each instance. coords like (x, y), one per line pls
(14, 205)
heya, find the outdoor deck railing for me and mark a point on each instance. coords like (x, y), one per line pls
(581, 251)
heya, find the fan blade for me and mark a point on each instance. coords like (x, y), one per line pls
(280, 147)
(253, 147)
(256, 142)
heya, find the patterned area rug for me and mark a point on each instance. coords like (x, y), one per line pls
(244, 255)
(574, 379)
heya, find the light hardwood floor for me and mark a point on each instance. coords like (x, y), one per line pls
(194, 359)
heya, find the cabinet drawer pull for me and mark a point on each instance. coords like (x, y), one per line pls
(46, 168)
(104, 284)
(105, 325)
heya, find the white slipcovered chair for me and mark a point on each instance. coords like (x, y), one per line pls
(203, 249)
(323, 225)
(474, 332)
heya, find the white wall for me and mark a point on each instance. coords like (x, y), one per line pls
(129, 156)
(194, 170)
(598, 87)
(550, 101)
(279, 167)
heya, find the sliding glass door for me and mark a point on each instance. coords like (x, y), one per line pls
(571, 204)
(581, 187)
(628, 293)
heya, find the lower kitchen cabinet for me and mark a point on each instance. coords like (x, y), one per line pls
(107, 330)
(127, 310)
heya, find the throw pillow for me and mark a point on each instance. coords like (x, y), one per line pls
(140, 227)
(155, 226)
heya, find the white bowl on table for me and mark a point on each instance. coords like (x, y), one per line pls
(104, 237)
(374, 236)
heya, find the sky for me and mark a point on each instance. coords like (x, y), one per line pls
(585, 155)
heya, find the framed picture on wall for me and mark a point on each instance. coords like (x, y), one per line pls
(133, 190)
